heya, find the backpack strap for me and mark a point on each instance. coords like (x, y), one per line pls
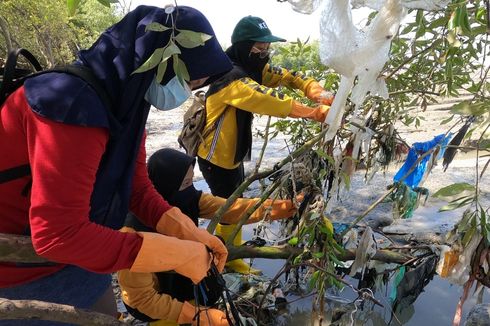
(10, 72)
(15, 173)
(217, 129)
(83, 72)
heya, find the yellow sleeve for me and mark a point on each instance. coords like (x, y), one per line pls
(276, 209)
(138, 291)
(273, 76)
(246, 94)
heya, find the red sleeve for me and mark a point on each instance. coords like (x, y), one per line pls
(64, 161)
(146, 202)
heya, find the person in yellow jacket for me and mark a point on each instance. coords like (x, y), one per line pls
(231, 102)
(165, 298)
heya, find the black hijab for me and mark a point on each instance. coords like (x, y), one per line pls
(251, 63)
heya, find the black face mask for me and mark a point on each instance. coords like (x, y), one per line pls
(256, 63)
(252, 63)
(188, 202)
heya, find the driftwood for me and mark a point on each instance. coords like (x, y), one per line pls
(39, 310)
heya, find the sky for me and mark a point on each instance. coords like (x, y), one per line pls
(282, 20)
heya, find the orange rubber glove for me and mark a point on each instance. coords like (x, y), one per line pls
(175, 223)
(207, 317)
(318, 94)
(160, 253)
(318, 113)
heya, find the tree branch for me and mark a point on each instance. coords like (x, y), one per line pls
(39, 310)
(259, 175)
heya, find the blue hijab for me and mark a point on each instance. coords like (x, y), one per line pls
(113, 58)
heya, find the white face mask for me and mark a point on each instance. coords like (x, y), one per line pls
(168, 96)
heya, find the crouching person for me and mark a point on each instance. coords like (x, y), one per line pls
(166, 298)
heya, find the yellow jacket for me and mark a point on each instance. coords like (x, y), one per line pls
(140, 290)
(220, 145)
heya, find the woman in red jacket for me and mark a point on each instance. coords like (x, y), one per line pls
(87, 165)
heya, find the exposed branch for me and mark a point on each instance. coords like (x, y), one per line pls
(285, 252)
(18, 249)
(39, 310)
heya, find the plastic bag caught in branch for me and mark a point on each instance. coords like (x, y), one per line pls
(356, 53)
(305, 6)
(410, 4)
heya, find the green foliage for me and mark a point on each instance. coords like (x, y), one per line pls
(46, 28)
(74, 5)
(454, 189)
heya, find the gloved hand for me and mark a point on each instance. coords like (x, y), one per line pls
(160, 253)
(318, 113)
(175, 223)
(318, 94)
(211, 317)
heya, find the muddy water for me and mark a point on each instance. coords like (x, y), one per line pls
(435, 306)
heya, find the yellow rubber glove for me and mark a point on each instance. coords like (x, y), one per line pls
(318, 94)
(207, 317)
(318, 113)
(160, 253)
(175, 223)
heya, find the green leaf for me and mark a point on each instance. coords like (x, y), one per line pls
(180, 69)
(170, 50)
(293, 241)
(72, 6)
(151, 62)
(455, 204)
(464, 22)
(107, 3)
(191, 39)
(443, 122)
(463, 223)
(439, 22)
(156, 27)
(484, 144)
(453, 20)
(162, 67)
(297, 260)
(468, 108)
(468, 235)
(318, 255)
(313, 280)
(453, 190)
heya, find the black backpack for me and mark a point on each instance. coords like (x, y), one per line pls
(13, 77)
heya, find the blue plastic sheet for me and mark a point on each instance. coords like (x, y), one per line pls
(417, 150)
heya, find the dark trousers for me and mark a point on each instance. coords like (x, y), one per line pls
(222, 182)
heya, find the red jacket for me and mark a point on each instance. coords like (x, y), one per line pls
(64, 161)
